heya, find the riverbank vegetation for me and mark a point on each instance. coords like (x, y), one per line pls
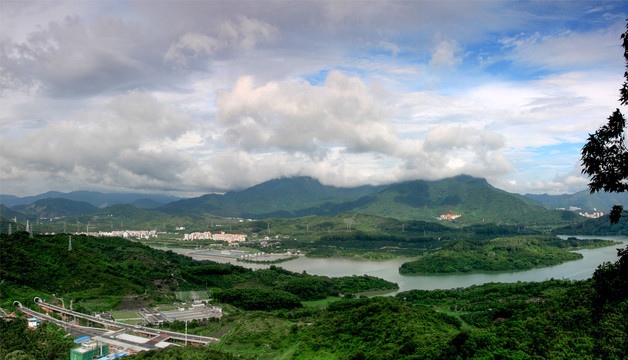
(269, 262)
(500, 254)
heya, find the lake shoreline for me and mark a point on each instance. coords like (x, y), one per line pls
(388, 270)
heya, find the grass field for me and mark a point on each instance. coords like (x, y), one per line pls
(125, 315)
(192, 295)
(322, 304)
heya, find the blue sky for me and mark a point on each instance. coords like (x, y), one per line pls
(210, 96)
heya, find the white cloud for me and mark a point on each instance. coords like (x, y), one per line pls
(568, 49)
(103, 146)
(445, 55)
(299, 117)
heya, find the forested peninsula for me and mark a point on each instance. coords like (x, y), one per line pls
(500, 254)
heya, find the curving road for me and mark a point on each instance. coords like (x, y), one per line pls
(77, 328)
(142, 330)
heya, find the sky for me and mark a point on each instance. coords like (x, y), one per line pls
(194, 97)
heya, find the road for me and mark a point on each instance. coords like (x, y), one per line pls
(71, 328)
(142, 330)
(103, 335)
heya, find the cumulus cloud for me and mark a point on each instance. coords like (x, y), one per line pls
(103, 146)
(300, 117)
(306, 122)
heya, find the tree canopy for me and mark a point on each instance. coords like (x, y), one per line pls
(605, 156)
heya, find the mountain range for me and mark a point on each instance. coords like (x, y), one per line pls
(472, 198)
(97, 199)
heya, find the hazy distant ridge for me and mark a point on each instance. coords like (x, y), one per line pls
(94, 198)
(584, 199)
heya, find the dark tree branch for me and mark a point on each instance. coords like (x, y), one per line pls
(605, 156)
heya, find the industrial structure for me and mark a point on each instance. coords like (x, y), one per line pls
(89, 349)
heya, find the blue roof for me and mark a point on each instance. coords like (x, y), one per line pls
(81, 339)
(33, 319)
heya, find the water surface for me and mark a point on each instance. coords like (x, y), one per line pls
(389, 270)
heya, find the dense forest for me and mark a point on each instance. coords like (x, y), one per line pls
(111, 269)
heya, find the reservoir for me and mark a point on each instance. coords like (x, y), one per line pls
(389, 270)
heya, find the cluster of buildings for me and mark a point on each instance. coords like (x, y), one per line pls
(138, 234)
(594, 215)
(198, 311)
(222, 236)
(591, 215)
(449, 217)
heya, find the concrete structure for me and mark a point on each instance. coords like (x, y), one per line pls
(197, 312)
(152, 316)
(33, 323)
(230, 238)
(198, 236)
(222, 236)
(89, 350)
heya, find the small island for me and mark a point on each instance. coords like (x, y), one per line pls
(501, 254)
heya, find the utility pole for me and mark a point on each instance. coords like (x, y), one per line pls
(29, 229)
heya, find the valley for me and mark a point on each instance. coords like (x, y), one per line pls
(352, 262)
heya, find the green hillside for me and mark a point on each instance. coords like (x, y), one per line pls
(472, 198)
(7, 213)
(109, 269)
